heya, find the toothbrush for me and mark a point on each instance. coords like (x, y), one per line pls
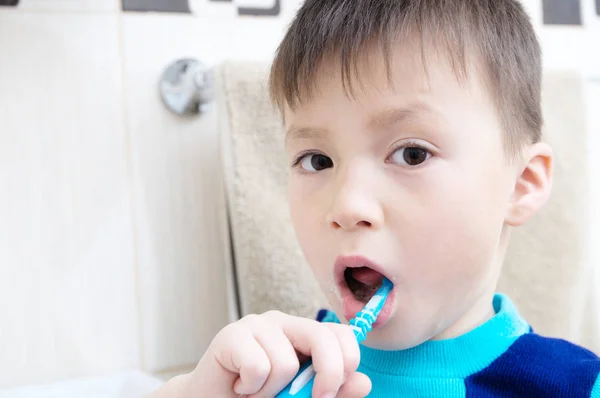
(302, 385)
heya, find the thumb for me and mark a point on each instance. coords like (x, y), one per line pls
(239, 367)
(211, 379)
(357, 385)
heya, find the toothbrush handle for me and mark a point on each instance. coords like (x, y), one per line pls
(302, 384)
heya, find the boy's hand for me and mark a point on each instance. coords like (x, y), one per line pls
(258, 356)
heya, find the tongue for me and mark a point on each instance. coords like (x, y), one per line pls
(367, 276)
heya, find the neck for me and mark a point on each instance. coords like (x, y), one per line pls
(453, 357)
(481, 311)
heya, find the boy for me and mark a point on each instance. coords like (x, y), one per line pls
(413, 130)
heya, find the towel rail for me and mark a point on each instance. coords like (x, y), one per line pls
(186, 87)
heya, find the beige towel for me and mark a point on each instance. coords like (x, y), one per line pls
(271, 270)
(546, 270)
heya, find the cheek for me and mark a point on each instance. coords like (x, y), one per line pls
(308, 199)
(304, 216)
(298, 208)
(451, 230)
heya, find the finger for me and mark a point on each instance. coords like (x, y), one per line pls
(357, 385)
(349, 345)
(244, 356)
(321, 343)
(282, 356)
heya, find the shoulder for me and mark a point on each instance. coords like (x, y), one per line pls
(540, 348)
(541, 366)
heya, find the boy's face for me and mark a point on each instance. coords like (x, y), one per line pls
(412, 181)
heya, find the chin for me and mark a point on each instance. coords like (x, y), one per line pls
(395, 338)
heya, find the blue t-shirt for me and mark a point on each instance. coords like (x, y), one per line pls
(501, 358)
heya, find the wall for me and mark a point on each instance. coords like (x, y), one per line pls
(578, 47)
(107, 199)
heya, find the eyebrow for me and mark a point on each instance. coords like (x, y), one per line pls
(298, 133)
(395, 116)
(380, 120)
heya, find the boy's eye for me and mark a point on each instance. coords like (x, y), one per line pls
(410, 156)
(315, 162)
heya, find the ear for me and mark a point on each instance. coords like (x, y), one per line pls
(533, 185)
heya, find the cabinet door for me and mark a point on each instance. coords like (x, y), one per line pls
(178, 195)
(67, 283)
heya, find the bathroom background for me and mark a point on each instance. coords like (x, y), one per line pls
(108, 200)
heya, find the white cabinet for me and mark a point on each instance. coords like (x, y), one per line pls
(67, 251)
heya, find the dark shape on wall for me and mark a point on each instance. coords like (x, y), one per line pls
(184, 7)
(181, 6)
(9, 2)
(598, 7)
(271, 12)
(562, 12)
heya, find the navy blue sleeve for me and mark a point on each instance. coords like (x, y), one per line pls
(536, 366)
(325, 315)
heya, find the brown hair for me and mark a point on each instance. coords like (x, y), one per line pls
(497, 32)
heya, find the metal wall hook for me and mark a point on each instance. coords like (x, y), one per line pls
(186, 87)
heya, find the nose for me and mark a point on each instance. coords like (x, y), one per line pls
(355, 204)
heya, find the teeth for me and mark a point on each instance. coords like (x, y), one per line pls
(361, 291)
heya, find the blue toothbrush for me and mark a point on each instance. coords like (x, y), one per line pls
(302, 385)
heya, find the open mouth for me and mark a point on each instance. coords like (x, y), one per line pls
(358, 279)
(363, 282)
